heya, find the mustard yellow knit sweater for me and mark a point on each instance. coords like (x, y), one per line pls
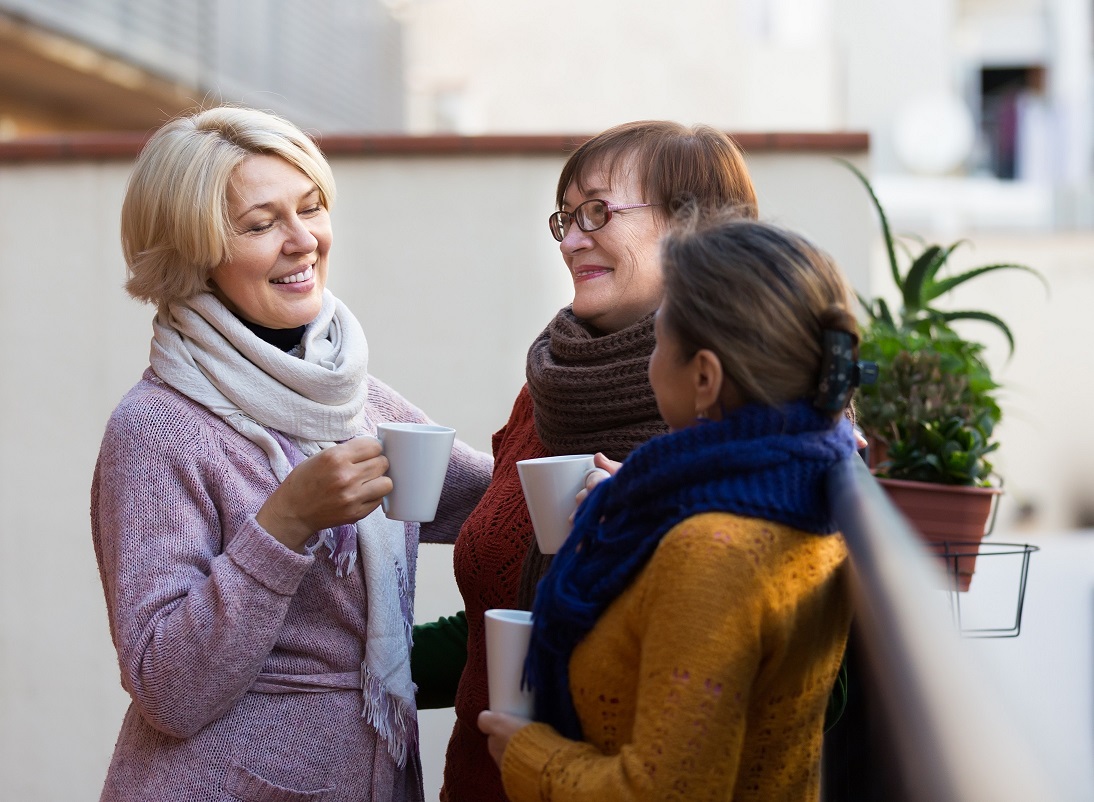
(707, 679)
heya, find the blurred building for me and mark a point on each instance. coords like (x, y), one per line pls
(980, 112)
(70, 65)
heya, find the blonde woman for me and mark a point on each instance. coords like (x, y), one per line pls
(258, 598)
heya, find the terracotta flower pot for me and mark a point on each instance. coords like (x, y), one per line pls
(952, 519)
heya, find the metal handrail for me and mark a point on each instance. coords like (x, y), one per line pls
(952, 739)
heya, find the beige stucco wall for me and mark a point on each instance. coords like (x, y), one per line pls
(448, 263)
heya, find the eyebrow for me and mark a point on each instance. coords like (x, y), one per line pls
(262, 206)
(593, 193)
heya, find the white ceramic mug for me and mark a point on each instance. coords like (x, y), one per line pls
(507, 636)
(418, 455)
(551, 485)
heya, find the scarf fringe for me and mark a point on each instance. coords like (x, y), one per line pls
(341, 542)
(395, 719)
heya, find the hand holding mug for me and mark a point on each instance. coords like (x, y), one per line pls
(603, 468)
(499, 728)
(340, 485)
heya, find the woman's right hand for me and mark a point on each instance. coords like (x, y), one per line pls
(499, 728)
(339, 485)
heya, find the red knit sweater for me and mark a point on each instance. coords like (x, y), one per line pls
(488, 556)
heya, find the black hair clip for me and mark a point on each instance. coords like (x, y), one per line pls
(840, 372)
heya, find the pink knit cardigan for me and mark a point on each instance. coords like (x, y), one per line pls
(241, 656)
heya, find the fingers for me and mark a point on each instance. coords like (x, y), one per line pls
(339, 485)
(595, 477)
(359, 449)
(499, 728)
(605, 464)
(350, 474)
(592, 479)
(486, 721)
(604, 468)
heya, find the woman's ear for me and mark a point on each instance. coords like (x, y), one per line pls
(708, 378)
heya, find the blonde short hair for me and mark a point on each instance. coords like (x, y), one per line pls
(176, 225)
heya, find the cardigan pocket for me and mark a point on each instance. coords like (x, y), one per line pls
(242, 785)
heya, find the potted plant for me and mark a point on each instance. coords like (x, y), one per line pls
(931, 414)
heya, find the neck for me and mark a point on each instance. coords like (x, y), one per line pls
(285, 339)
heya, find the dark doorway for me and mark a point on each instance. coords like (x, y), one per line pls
(1002, 90)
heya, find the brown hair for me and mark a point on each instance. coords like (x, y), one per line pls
(677, 166)
(175, 221)
(757, 295)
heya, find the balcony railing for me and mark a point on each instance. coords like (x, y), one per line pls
(923, 727)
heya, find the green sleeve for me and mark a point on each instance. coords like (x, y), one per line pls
(437, 660)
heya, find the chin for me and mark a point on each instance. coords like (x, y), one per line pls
(306, 313)
(589, 313)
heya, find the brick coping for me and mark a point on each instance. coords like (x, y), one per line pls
(126, 145)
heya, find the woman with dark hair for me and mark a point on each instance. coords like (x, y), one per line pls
(687, 636)
(587, 389)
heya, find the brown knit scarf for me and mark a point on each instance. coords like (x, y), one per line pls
(591, 393)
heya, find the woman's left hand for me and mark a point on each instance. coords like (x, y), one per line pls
(860, 439)
(604, 468)
(499, 727)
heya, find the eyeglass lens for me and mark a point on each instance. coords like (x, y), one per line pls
(590, 216)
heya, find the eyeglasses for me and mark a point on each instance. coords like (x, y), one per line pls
(591, 215)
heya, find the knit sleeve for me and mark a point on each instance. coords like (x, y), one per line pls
(437, 659)
(468, 469)
(699, 609)
(196, 591)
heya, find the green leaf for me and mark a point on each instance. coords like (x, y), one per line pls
(986, 317)
(914, 282)
(886, 232)
(883, 313)
(947, 284)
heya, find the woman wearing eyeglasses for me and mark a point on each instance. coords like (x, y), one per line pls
(688, 633)
(587, 389)
(259, 599)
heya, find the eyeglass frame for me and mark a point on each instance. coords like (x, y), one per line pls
(609, 208)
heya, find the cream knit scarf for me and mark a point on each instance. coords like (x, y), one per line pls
(315, 399)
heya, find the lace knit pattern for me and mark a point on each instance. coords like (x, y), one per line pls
(201, 600)
(488, 558)
(707, 679)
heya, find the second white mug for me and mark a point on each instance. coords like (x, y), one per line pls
(551, 485)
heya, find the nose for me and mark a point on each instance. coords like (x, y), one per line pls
(299, 238)
(575, 240)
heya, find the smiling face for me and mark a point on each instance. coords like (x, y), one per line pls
(277, 270)
(616, 270)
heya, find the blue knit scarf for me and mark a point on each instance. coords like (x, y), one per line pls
(759, 462)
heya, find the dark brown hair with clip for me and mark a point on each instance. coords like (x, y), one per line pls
(768, 303)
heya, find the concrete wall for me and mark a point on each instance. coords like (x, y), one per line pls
(448, 263)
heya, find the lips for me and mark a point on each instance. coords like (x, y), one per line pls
(589, 271)
(303, 275)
